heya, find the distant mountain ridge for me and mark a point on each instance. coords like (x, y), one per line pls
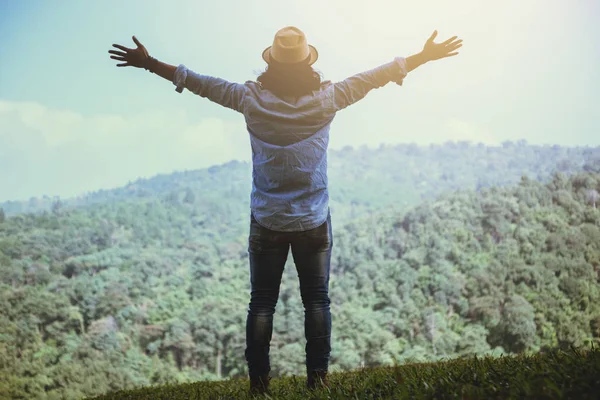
(361, 179)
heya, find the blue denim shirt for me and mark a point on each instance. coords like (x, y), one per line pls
(289, 138)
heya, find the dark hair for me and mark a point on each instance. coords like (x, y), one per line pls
(290, 80)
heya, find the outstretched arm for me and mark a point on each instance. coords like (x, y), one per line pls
(227, 94)
(356, 87)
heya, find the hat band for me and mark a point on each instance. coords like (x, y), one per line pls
(273, 61)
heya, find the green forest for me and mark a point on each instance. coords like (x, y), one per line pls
(439, 252)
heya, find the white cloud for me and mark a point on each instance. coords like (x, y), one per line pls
(46, 151)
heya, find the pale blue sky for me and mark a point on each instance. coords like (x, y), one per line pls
(71, 122)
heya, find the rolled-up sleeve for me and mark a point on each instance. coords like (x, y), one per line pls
(356, 87)
(228, 94)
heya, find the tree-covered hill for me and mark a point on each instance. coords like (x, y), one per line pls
(361, 180)
(513, 268)
(149, 290)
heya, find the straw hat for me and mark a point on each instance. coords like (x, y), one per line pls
(290, 47)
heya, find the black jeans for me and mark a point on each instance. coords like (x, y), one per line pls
(268, 251)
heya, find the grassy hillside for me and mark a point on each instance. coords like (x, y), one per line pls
(573, 374)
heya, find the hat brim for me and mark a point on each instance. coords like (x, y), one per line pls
(314, 55)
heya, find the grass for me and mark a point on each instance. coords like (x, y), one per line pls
(558, 374)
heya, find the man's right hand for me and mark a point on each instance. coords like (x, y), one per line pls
(133, 57)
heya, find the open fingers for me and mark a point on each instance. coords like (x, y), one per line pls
(117, 53)
(450, 44)
(454, 47)
(118, 58)
(123, 65)
(449, 40)
(118, 46)
(451, 54)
